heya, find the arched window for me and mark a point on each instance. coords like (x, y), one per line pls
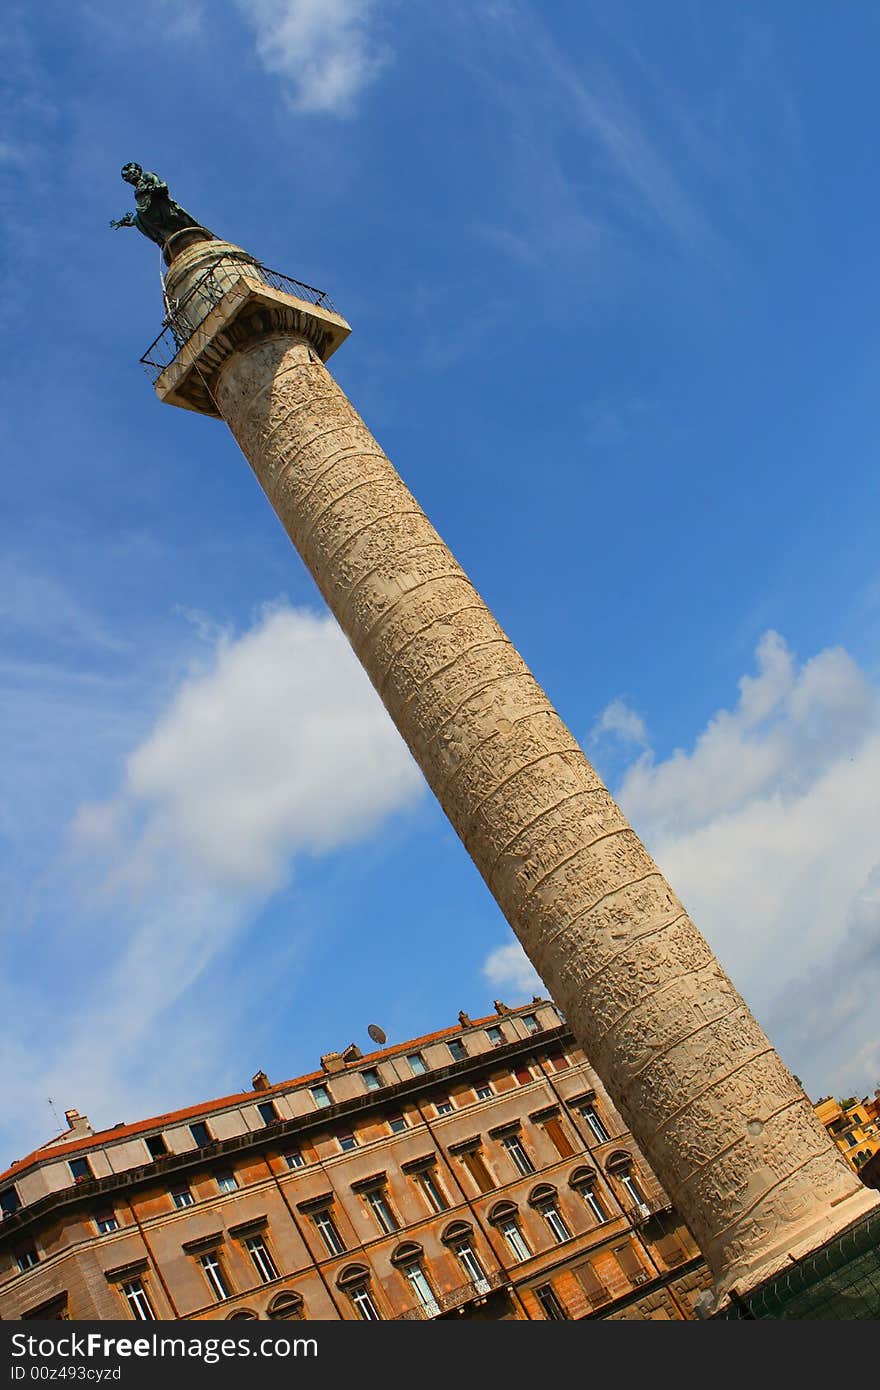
(544, 1192)
(619, 1160)
(456, 1230)
(620, 1166)
(585, 1183)
(406, 1252)
(286, 1305)
(240, 1315)
(502, 1211)
(504, 1215)
(543, 1198)
(354, 1280)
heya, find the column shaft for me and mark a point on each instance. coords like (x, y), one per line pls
(721, 1120)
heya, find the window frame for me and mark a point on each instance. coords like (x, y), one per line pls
(326, 1214)
(518, 1154)
(133, 1290)
(259, 1251)
(215, 1275)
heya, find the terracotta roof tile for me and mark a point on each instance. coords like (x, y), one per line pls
(60, 1147)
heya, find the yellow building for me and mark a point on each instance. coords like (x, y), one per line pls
(854, 1127)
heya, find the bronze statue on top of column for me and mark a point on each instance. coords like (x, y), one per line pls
(157, 215)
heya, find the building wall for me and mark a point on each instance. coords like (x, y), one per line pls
(854, 1127)
(640, 1261)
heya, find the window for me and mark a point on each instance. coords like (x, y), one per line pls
(138, 1300)
(268, 1112)
(523, 1075)
(495, 1036)
(371, 1079)
(286, 1305)
(553, 1217)
(514, 1237)
(364, 1304)
(227, 1182)
(593, 1202)
(470, 1264)
(182, 1197)
(444, 1107)
(600, 1133)
(27, 1258)
(347, 1141)
(214, 1274)
(632, 1189)
(630, 1264)
(557, 1136)
(201, 1134)
(421, 1288)
(416, 1063)
(483, 1091)
(427, 1181)
(397, 1124)
(378, 1204)
(294, 1158)
(329, 1232)
(457, 1050)
(156, 1146)
(521, 1160)
(474, 1163)
(9, 1201)
(531, 1023)
(106, 1222)
(321, 1096)
(558, 1060)
(550, 1304)
(263, 1262)
(80, 1169)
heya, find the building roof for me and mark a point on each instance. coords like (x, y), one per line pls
(58, 1148)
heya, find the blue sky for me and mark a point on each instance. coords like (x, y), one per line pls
(611, 271)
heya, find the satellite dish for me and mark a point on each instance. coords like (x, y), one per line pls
(377, 1033)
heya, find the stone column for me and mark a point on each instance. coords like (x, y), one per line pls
(727, 1130)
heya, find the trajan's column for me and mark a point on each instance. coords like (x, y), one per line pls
(725, 1126)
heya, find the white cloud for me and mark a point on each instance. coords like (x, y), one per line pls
(273, 748)
(621, 722)
(769, 829)
(327, 50)
(281, 747)
(508, 967)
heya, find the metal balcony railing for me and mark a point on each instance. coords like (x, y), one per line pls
(644, 1210)
(476, 1292)
(187, 313)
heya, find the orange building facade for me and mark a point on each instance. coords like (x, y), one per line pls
(854, 1125)
(477, 1172)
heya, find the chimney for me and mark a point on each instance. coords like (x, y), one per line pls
(499, 1007)
(78, 1125)
(352, 1053)
(332, 1061)
(260, 1081)
(463, 1019)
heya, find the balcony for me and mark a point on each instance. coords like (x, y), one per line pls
(186, 314)
(645, 1210)
(457, 1299)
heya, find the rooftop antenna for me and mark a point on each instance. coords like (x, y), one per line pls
(51, 1105)
(377, 1034)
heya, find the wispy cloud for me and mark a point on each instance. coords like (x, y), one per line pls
(508, 967)
(326, 51)
(642, 173)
